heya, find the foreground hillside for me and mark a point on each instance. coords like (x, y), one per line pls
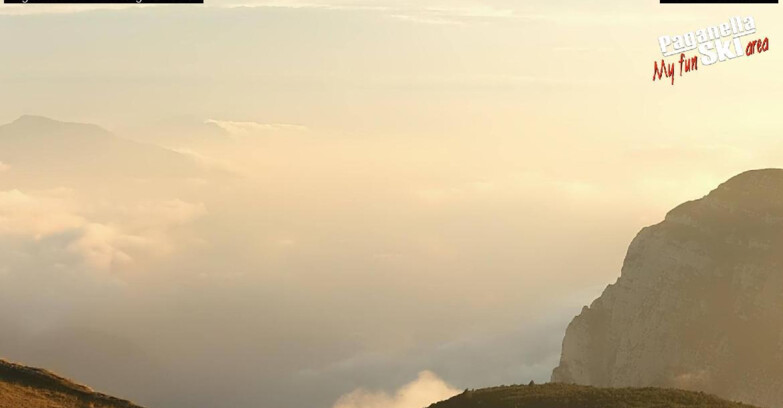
(577, 396)
(25, 387)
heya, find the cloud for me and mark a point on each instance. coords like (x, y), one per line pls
(514, 186)
(142, 229)
(427, 20)
(102, 237)
(25, 10)
(37, 215)
(428, 388)
(249, 127)
(296, 4)
(463, 12)
(695, 380)
(101, 246)
(417, 12)
(152, 214)
(207, 161)
(4, 167)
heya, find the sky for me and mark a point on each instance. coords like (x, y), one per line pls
(368, 204)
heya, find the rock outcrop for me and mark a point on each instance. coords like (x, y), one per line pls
(699, 303)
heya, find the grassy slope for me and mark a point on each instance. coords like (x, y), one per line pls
(25, 387)
(576, 396)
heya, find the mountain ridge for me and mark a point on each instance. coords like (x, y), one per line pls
(22, 387)
(48, 148)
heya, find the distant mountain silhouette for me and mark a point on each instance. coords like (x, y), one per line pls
(699, 303)
(34, 145)
(26, 387)
(575, 396)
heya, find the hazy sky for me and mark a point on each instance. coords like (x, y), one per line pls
(373, 204)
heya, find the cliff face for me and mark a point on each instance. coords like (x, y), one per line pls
(699, 303)
(26, 387)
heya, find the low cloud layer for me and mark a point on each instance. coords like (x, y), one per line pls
(428, 388)
(103, 234)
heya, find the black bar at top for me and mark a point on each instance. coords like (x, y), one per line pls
(719, 1)
(103, 2)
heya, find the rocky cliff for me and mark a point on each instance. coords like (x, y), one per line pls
(699, 303)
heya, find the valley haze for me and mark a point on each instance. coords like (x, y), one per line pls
(107, 254)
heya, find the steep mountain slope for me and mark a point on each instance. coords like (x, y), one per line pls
(25, 387)
(575, 396)
(699, 303)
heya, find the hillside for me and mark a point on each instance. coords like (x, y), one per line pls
(577, 396)
(26, 387)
